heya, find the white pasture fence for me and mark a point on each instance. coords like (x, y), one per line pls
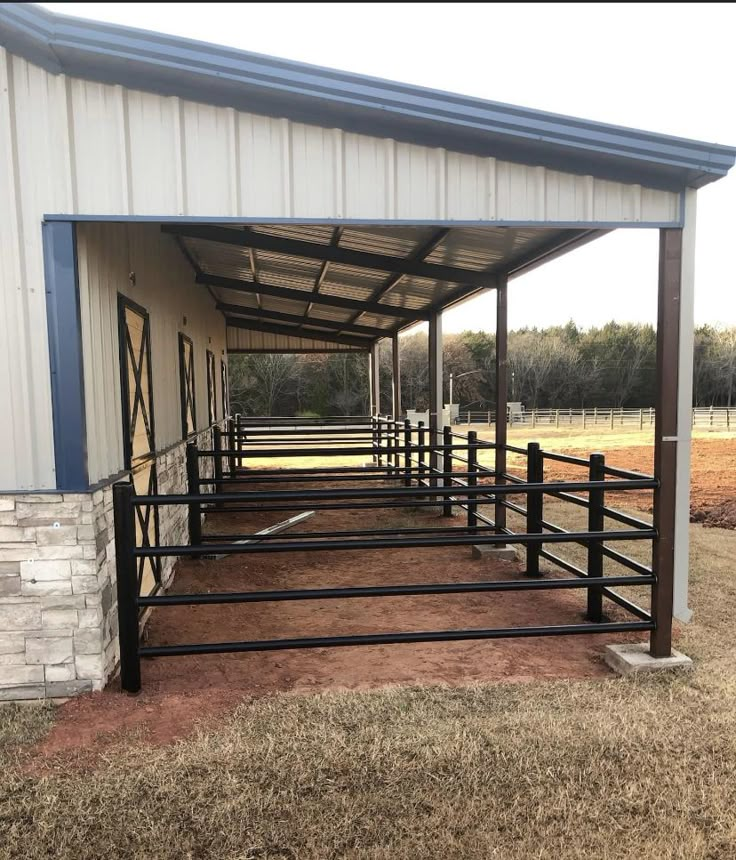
(723, 418)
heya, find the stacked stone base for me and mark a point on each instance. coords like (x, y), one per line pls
(58, 600)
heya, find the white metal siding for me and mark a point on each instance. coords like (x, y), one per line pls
(77, 147)
(164, 286)
(245, 340)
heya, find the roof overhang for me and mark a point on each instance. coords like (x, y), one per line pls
(274, 87)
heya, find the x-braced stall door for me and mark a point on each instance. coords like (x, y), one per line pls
(225, 389)
(139, 439)
(211, 389)
(186, 383)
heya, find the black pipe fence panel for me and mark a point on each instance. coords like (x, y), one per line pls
(416, 468)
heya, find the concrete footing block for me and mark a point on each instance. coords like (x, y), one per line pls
(489, 552)
(634, 658)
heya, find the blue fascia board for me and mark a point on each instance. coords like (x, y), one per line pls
(311, 94)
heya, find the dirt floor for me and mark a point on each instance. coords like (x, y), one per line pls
(713, 483)
(177, 691)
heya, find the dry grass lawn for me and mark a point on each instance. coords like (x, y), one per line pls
(615, 768)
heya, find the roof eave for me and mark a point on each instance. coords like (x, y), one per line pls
(265, 85)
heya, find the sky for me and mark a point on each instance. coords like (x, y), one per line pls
(668, 68)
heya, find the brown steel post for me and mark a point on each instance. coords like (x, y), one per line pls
(396, 377)
(501, 398)
(665, 438)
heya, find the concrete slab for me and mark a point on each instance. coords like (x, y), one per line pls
(632, 658)
(488, 552)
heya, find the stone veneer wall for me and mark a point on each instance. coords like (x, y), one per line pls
(58, 599)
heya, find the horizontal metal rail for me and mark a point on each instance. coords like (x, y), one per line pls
(230, 538)
(391, 543)
(392, 638)
(384, 591)
(379, 493)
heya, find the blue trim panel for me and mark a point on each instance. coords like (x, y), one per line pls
(218, 75)
(65, 351)
(369, 222)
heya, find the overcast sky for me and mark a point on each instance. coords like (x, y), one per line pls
(668, 68)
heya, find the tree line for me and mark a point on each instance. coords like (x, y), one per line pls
(557, 367)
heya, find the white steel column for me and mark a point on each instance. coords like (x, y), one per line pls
(374, 379)
(396, 377)
(681, 609)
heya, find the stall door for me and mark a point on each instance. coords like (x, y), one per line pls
(225, 389)
(139, 441)
(211, 390)
(186, 384)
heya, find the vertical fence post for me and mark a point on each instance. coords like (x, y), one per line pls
(127, 586)
(557, 417)
(534, 506)
(407, 453)
(595, 415)
(583, 418)
(217, 461)
(239, 435)
(472, 478)
(596, 523)
(231, 444)
(421, 437)
(611, 416)
(447, 469)
(397, 444)
(195, 509)
(379, 440)
(389, 445)
(641, 419)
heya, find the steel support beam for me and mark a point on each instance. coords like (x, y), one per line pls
(502, 343)
(396, 377)
(279, 316)
(330, 253)
(259, 288)
(289, 331)
(665, 437)
(374, 380)
(436, 400)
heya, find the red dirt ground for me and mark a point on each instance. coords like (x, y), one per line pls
(713, 483)
(179, 691)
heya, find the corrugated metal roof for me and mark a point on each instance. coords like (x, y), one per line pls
(352, 285)
(284, 88)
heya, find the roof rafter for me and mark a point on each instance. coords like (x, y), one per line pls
(417, 255)
(329, 253)
(255, 287)
(280, 316)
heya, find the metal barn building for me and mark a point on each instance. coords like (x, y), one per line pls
(167, 202)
